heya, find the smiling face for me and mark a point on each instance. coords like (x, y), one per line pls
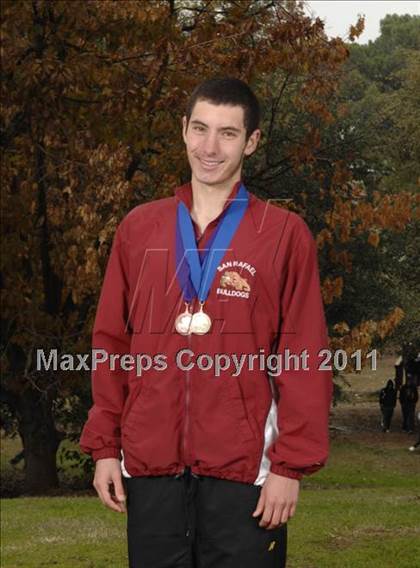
(216, 143)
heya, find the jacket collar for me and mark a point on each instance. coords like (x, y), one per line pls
(184, 194)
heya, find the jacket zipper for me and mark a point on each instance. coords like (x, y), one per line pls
(187, 394)
(187, 410)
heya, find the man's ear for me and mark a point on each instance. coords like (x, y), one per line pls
(184, 128)
(252, 142)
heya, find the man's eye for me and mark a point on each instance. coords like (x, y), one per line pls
(198, 128)
(229, 134)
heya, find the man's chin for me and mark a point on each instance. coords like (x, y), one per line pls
(209, 179)
(215, 179)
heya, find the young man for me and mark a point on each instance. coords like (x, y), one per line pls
(216, 296)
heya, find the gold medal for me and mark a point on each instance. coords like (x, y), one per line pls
(200, 322)
(183, 321)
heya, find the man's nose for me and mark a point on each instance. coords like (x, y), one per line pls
(210, 144)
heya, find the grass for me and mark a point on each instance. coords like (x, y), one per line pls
(61, 532)
(356, 528)
(361, 511)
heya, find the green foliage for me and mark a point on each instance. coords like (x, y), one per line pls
(380, 132)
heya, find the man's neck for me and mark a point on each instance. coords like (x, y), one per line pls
(208, 201)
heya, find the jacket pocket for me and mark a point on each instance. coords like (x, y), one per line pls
(136, 393)
(237, 408)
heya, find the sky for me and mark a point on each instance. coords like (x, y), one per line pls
(338, 15)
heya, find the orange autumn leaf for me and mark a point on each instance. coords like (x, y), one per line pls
(373, 238)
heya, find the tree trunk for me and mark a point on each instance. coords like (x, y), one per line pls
(40, 441)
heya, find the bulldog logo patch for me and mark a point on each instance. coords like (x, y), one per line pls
(232, 283)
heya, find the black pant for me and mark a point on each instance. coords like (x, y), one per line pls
(409, 416)
(198, 522)
(387, 412)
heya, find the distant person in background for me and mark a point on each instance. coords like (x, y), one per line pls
(399, 372)
(417, 444)
(417, 369)
(408, 400)
(387, 401)
(412, 368)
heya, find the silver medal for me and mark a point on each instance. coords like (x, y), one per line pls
(183, 322)
(201, 322)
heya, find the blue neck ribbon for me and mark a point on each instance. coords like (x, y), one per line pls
(196, 272)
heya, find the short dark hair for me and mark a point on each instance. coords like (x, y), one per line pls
(228, 91)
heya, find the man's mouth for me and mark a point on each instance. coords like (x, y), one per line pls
(210, 164)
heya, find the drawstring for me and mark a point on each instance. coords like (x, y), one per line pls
(188, 490)
(187, 470)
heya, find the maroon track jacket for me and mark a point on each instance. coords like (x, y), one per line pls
(265, 299)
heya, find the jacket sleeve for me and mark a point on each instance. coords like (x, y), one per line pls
(101, 435)
(304, 394)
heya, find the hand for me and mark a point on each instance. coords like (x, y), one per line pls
(107, 473)
(278, 500)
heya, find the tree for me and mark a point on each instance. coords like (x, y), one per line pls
(380, 131)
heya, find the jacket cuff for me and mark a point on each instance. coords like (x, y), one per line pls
(285, 471)
(106, 453)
